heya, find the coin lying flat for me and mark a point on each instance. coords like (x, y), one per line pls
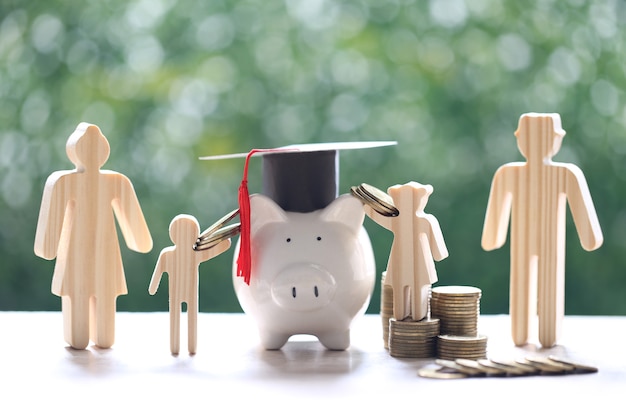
(440, 373)
(557, 366)
(476, 366)
(532, 365)
(457, 366)
(578, 367)
(527, 369)
(543, 367)
(506, 369)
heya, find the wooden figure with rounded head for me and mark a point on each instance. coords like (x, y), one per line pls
(77, 227)
(180, 262)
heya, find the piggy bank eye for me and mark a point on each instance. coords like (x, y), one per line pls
(319, 238)
(288, 239)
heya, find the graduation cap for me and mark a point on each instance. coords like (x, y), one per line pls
(299, 178)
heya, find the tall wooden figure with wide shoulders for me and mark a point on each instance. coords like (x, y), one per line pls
(181, 262)
(533, 195)
(417, 243)
(77, 226)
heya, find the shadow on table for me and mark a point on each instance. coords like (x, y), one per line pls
(92, 361)
(311, 357)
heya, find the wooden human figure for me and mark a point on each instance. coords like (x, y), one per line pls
(77, 226)
(417, 243)
(533, 194)
(181, 263)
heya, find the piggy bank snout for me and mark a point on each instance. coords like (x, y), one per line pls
(303, 288)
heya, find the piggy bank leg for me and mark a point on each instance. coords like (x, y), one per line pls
(272, 340)
(335, 340)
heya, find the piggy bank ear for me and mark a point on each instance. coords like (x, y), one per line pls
(264, 210)
(345, 209)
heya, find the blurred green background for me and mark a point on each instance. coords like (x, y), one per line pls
(168, 82)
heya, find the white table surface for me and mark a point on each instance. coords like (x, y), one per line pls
(232, 375)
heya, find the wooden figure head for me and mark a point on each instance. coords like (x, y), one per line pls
(419, 193)
(184, 230)
(539, 135)
(87, 147)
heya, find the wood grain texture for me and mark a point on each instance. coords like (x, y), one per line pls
(77, 226)
(532, 197)
(181, 262)
(417, 243)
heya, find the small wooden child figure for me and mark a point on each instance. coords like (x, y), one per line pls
(181, 262)
(77, 226)
(417, 243)
(533, 195)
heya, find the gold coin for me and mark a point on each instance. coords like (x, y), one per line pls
(440, 373)
(426, 355)
(557, 366)
(463, 340)
(578, 367)
(527, 369)
(378, 200)
(545, 368)
(474, 364)
(456, 291)
(452, 364)
(504, 370)
(378, 195)
(356, 192)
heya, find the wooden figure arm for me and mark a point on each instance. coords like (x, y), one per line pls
(51, 217)
(498, 212)
(583, 211)
(383, 221)
(436, 242)
(218, 249)
(159, 270)
(130, 217)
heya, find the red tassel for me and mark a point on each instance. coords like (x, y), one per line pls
(244, 260)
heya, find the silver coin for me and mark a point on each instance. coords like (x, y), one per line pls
(218, 236)
(217, 225)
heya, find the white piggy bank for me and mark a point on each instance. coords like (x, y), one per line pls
(312, 273)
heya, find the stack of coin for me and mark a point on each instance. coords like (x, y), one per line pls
(461, 347)
(386, 308)
(413, 339)
(458, 308)
(377, 199)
